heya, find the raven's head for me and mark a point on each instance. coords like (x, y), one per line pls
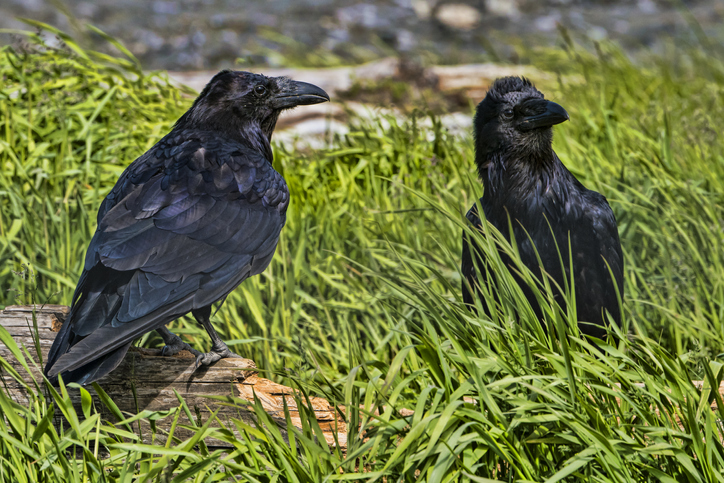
(235, 101)
(514, 118)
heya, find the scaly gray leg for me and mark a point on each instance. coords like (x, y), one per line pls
(219, 349)
(174, 344)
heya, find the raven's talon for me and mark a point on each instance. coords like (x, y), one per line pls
(213, 356)
(177, 346)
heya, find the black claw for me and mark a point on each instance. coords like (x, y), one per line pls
(214, 356)
(176, 347)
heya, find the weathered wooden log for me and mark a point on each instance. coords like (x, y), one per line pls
(147, 381)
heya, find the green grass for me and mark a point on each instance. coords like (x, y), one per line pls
(361, 303)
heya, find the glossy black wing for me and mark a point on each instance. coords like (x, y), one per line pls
(469, 273)
(185, 225)
(598, 265)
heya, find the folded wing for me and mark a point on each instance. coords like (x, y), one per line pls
(181, 229)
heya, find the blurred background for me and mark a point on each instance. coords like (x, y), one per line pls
(186, 35)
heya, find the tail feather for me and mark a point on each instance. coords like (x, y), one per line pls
(92, 353)
(60, 346)
(94, 370)
(88, 312)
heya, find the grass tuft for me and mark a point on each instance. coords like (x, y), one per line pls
(361, 303)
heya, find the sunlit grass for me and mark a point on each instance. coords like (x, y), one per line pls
(361, 303)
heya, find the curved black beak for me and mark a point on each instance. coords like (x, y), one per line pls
(543, 114)
(295, 93)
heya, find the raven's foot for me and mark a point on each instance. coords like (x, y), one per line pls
(176, 347)
(217, 353)
(174, 344)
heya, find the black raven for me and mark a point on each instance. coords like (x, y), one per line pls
(527, 185)
(185, 224)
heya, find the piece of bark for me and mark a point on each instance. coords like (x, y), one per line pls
(145, 380)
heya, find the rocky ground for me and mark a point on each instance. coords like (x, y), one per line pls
(211, 34)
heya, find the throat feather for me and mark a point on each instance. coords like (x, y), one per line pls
(508, 174)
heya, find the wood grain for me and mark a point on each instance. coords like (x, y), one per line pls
(145, 380)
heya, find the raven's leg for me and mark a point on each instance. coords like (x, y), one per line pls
(219, 349)
(174, 344)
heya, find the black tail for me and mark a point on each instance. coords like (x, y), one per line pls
(94, 370)
(89, 312)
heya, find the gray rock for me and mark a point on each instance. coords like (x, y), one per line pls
(547, 23)
(458, 16)
(502, 8)
(213, 33)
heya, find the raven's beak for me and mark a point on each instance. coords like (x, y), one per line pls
(296, 93)
(547, 114)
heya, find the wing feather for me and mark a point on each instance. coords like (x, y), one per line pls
(176, 236)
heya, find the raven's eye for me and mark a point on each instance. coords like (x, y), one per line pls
(259, 90)
(508, 114)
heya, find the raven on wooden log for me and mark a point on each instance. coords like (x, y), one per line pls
(527, 187)
(185, 224)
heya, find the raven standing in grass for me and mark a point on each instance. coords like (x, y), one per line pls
(527, 186)
(185, 224)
